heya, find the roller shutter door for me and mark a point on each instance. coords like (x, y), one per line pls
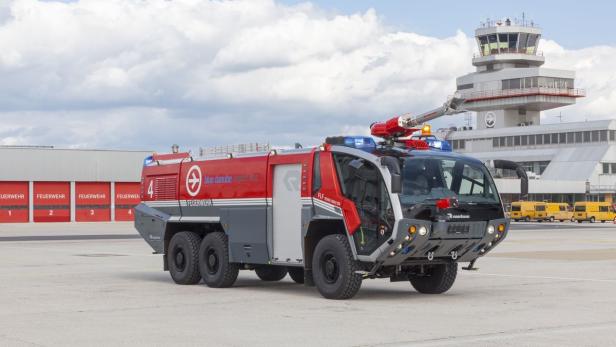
(126, 198)
(14, 202)
(52, 202)
(92, 202)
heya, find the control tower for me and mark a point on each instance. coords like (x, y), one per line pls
(510, 88)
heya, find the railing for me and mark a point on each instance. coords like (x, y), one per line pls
(235, 148)
(508, 51)
(509, 93)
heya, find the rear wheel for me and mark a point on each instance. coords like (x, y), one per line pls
(527, 219)
(297, 274)
(183, 258)
(592, 219)
(271, 273)
(552, 219)
(579, 221)
(334, 270)
(437, 280)
(214, 265)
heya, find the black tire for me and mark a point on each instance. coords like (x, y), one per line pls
(296, 274)
(271, 273)
(334, 270)
(183, 258)
(214, 265)
(551, 219)
(516, 220)
(592, 219)
(439, 279)
(527, 219)
(579, 221)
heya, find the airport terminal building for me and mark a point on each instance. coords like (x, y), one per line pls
(566, 162)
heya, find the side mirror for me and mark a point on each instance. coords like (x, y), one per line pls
(394, 170)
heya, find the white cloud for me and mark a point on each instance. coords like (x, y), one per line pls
(145, 74)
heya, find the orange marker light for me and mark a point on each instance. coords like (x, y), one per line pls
(501, 228)
(412, 229)
(425, 130)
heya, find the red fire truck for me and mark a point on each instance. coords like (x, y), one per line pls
(330, 216)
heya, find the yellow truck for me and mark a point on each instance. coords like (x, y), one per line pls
(558, 211)
(593, 211)
(529, 210)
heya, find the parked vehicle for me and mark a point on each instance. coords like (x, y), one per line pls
(529, 211)
(557, 211)
(593, 211)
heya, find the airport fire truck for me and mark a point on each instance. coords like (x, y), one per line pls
(330, 216)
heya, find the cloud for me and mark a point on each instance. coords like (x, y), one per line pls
(146, 74)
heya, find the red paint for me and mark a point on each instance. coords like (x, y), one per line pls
(14, 202)
(443, 204)
(92, 202)
(126, 198)
(52, 202)
(390, 128)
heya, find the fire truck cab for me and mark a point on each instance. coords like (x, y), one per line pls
(330, 216)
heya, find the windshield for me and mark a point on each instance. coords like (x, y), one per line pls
(429, 179)
(580, 208)
(540, 208)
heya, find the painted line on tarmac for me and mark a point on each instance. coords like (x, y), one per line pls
(69, 237)
(547, 277)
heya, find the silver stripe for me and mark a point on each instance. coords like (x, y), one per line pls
(327, 206)
(195, 219)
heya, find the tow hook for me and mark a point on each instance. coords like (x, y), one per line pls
(430, 256)
(454, 255)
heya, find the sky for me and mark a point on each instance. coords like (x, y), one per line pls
(135, 74)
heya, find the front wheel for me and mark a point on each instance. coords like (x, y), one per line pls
(271, 273)
(437, 280)
(527, 219)
(592, 219)
(334, 270)
(551, 219)
(183, 257)
(214, 265)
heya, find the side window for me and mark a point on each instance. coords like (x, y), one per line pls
(316, 173)
(603, 209)
(362, 183)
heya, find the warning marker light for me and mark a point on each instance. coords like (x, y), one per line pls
(425, 130)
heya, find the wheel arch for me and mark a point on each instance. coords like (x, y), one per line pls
(318, 229)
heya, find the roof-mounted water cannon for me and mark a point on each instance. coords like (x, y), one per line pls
(405, 125)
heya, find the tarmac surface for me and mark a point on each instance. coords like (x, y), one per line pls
(99, 284)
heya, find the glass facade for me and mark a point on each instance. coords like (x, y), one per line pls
(538, 82)
(523, 43)
(594, 136)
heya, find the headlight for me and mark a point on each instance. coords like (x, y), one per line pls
(490, 229)
(422, 230)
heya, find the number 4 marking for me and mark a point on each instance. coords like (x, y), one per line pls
(151, 189)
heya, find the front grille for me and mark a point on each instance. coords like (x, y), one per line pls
(458, 229)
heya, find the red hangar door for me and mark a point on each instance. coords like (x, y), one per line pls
(52, 202)
(126, 198)
(92, 202)
(14, 202)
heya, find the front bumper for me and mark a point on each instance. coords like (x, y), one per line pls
(450, 241)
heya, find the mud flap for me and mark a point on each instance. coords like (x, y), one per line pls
(151, 224)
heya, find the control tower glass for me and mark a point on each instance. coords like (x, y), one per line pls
(498, 43)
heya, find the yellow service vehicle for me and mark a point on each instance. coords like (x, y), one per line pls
(593, 211)
(559, 211)
(529, 210)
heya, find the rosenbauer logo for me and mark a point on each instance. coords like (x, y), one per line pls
(193, 180)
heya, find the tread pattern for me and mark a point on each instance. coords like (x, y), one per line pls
(296, 274)
(232, 269)
(194, 242)
(352, 285)
(440, 281)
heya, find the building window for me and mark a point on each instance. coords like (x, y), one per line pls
(587, 136)
(612, 135)
(570, 138)
(595, 136)
(509, 141)
(531, 140)
(546, 139)
(524, 140)
(465, 86)
(606, 168)
(495, 142)
(578, 137)
(613, 165)
(516, 140)
(562, 138)
(502, 141)
(462, 144)
(603, 135)
(539, 139)
(554, 138)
